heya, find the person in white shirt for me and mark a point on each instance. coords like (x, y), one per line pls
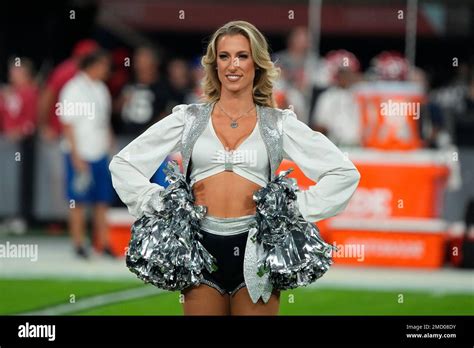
(84, 108)
(336, 113)
(231, 146)
(337, 116)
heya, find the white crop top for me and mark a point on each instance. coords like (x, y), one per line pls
(318, 159)
(249, 159)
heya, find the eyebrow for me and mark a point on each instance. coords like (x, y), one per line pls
(237, 52)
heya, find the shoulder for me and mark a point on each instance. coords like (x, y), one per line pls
(74, 81)
(73, 86)
(62, 74)
(186, 114)
(276, 113)
(194, 109)
(101, 86)
(276, 119)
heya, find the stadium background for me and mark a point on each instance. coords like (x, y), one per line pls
(60, 283)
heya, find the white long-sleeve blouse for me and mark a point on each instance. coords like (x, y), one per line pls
(318, 158)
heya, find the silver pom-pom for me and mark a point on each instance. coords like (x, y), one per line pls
(165, 248)
(289, 247)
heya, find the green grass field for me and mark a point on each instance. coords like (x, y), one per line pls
(19, 296)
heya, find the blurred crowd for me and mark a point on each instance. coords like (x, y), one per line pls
(129, 90)
(140, 94)
(322, 90)
(334, 96)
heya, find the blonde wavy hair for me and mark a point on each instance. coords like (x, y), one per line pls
(265, 75)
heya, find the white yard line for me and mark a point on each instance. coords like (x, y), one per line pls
(97, 301)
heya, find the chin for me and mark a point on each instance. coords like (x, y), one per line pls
(234, 88)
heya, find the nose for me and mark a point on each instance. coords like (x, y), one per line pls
(234, 63)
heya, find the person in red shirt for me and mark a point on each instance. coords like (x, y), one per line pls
(19, 100)
(48, 123)
(18, 105)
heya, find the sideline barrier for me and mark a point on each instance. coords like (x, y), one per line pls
(393, 216)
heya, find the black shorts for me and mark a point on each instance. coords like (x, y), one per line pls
(229, 252)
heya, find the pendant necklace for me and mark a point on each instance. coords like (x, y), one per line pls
(234, 123)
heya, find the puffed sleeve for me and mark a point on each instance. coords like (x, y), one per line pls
(320, 160)
(136, 163)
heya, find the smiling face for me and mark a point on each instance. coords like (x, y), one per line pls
(235, 66)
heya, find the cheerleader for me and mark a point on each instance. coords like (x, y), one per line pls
(231, 147)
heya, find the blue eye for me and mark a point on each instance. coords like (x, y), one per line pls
(222, 56)
(243, 56)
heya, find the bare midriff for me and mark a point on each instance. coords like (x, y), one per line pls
(226, 194)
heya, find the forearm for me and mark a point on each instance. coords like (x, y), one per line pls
(44, 106)
(133, 188)
(329, 196)
(69, 135)
(136, 163)
(319, 159)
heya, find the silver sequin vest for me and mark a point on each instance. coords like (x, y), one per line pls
(197, 116)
